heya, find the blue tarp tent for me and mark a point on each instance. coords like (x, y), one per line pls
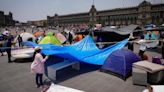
(120, 63)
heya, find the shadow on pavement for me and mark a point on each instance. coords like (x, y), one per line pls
(23, 60)
(68, 72)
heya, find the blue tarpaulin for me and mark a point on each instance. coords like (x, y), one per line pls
(84, 51)
(99, 58)
(29, 43)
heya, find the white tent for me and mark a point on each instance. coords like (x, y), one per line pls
(5, 32)
(26, 36)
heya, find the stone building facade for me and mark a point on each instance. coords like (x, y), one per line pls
(6, 20)
(2, 18)
(142, 14)
(39, 23)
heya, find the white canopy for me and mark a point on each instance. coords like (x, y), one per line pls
(5, 32)
(26, 36)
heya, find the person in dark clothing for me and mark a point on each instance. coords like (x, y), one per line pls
(131, 44)
(1, 50)
(163, 49)
(150, 37)
(8, 49)
(1, 44)
(142, 36)
(20, 40)
(70, 37)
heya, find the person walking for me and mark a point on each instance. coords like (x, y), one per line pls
(1, 47)
(70, 37)
(37, 66)
(131, 43)
(20, 40)
(163, 49)
(8, 47)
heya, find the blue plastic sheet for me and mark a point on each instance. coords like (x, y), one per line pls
(100, 57)
(84, 51)
(29, 43)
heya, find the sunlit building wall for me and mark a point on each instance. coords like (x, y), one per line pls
(144, 13)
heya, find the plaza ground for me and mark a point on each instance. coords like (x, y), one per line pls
(16, 77)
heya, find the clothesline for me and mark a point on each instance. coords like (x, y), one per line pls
(128, 41)
(100, 43)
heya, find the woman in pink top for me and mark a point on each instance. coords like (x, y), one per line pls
(37, 66)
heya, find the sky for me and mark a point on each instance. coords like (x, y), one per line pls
(30, 10)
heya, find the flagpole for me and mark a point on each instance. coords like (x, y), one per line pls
(123, 3)
(92, 22)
